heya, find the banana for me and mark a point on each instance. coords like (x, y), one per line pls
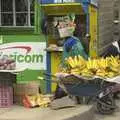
(76, 61)
(101, 73)
(104, 67)
(111, 74)
(71, 62)
(81, 61)
(85, 72)
(89, 64)
(75, 71)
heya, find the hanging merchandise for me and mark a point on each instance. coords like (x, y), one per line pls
(66, 26)
(62, 27)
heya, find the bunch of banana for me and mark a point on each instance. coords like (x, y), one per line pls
(103, 67)
(114, 64)
(102, 73)
(111, 74)
(103, 63)
(64, 70)
(77, 61)
(92, 64)
(75, 71)
(114, 61)
(70, 61)
(42, 101)
(86, 73)
(81, 60)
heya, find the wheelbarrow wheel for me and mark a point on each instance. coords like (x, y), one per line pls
(106, 105)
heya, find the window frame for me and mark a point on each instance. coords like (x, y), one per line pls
(28, 12)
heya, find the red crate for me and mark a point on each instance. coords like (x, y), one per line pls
(6, 96)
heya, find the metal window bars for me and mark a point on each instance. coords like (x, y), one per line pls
(14, 13)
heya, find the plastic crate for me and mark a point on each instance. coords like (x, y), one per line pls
(6, 96)
(7, 79)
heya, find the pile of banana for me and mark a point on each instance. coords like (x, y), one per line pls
(103, 67)
(37, 100)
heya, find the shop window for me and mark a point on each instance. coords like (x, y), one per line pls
(16, 13)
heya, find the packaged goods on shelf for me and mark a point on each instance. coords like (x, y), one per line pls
(22, 89)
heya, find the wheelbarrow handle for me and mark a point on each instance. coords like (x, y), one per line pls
(50, 75)
(54, 81)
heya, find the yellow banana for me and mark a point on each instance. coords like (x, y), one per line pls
(71, 62)
(75, 61)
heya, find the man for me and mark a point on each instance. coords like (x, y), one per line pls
(113, 50)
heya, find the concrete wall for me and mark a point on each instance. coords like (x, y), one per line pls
(105, 24)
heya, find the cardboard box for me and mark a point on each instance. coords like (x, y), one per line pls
(18, 99)
(22, 89)
(26, 88)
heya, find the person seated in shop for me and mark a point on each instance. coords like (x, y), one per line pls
(73, 47)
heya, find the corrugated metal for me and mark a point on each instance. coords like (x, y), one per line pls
(105, 24)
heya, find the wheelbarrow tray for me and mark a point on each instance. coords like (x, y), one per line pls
(77, 86)
(97, 88)
(82, 89)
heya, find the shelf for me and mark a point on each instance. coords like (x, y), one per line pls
(57, 49)
(62, 9)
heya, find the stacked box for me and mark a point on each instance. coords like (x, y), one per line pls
(20, 90)
(7, 79)
(6, 96)
(6, 89)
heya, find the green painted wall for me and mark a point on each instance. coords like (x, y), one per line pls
(23, 38)
(26, 35)
(27, 75)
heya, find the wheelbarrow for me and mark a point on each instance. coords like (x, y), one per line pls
(96, 89)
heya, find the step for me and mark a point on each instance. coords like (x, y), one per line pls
(81, 112)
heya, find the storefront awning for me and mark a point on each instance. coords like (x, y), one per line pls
(62, 9)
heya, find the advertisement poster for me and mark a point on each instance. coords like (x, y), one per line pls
(30, 55)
